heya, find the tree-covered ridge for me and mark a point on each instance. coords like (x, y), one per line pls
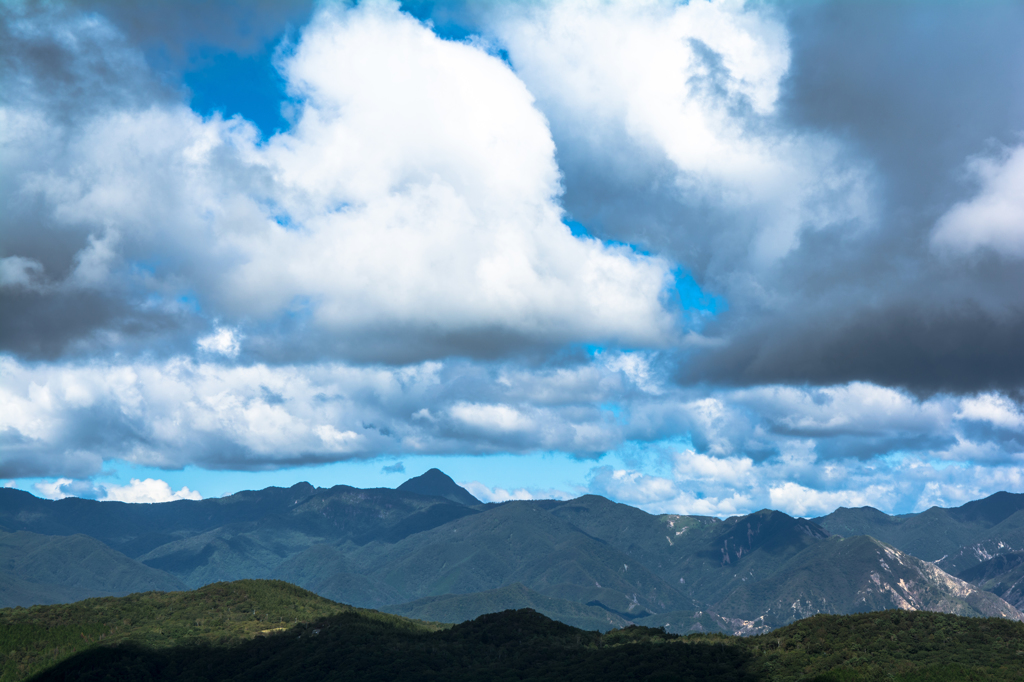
(217, 615)
(269, 630)
(891, 645)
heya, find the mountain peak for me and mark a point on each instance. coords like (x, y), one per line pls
(436, 482)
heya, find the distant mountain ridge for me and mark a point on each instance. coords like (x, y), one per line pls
(427, 548)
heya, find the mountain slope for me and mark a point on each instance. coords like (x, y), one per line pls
(246, 535)
(50, 569)
(710, 561)
(517, 542)
(966, 541)
(457, 608)
(860, 574)
(325, 570)
(1002, 575)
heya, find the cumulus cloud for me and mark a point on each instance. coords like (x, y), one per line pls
(994, 217)
(995, 409)
(420, 156)
(802, 501)
(837, 153)
(491, 417)
(741, 448)
(149, 490)
(223, 341)
(64, 487)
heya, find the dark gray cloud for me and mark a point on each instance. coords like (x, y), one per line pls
(72, 73)
(180, 30)
(910, 91)
(917, 88)
(927, 346)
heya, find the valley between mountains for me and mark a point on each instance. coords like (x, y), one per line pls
(429, 550)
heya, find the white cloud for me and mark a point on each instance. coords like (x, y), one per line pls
(994, 217)
(149, 490)
(54, 490)
(799, 500)
(735, 471)
(335, 440)
(64, 420)
(631, 486)
(491, 417)
(801, 450)
(993, 408)
(854, 407)
(223, 341)
(947, 494)
(487, 494)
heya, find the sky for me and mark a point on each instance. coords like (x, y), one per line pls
(700, 258)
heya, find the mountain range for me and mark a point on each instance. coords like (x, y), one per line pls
(430, 550)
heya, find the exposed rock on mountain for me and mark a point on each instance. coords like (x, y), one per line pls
(981, 542)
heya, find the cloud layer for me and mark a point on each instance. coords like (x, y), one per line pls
(798, 449)
(766, 256)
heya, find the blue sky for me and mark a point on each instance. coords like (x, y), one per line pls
(701, 257)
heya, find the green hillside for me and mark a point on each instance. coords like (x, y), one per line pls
(217, 615)
(269, 630)
(905, 646)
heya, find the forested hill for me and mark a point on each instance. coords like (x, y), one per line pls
(269, 630)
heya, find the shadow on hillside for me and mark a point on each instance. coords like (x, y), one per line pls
(513, 645)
